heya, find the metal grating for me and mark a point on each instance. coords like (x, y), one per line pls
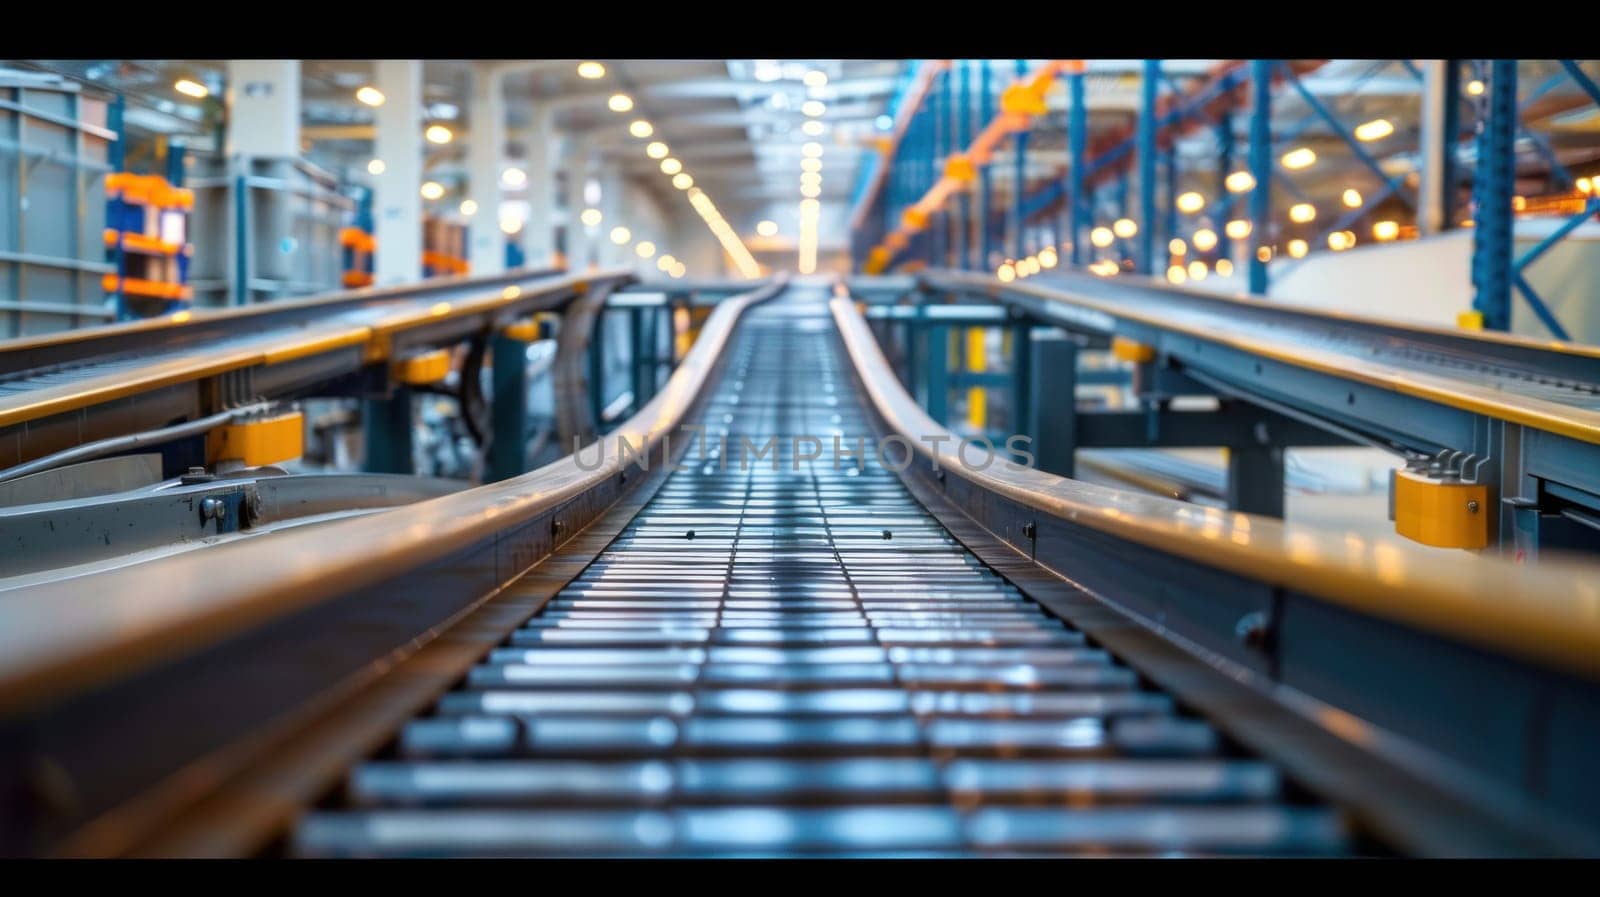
(802, 661)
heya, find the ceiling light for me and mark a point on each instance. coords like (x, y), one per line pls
(469, 207)
(1177, 274)
(1238, 229)
(1048, 257)
(810, 164)
(1006, 273)
(590, 217)
(376, 166)
(1302, 212)
(620, 235)
(438, 134)
(670, 165)
(640, 128)
(811, 191)
(591, 70)
(1204, 239)
(510, 225)
(1302, 157)
(810, 177)
(1264, 253)
(1377, 129)
(1190, 202)
(767, 228)
(1177, 247)
(666, 262)
(1239, 181)
(656, 150)
(1197, 270)
(645, 249)
(1475, 88)
(813, 128)
(883, 122)
(682, 181)
(1124, 228)
(513, 178)
(1385, 230)
(811, 149)
(813, 108)
(1341, 240)
(1223, 267)
(191, 88)
(620, 102)
(370, 95)
(815, 78)
(1298, 248)
(432, 190)
(1101, 237)
(1352, 198)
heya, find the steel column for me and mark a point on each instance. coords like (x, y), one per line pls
(387, 431)
(1260, 168)
(1225, 142)
(1053, 412)
(985, 184)
(1494, 184)
(1149, 83)
(1255, 480)
(964, 203)
(508, 451)
(1078, 139)
(937, 372)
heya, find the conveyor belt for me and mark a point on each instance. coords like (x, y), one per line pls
(803, 661)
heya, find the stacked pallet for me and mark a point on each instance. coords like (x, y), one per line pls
(147, 235)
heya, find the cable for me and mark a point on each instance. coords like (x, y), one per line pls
(92, 450)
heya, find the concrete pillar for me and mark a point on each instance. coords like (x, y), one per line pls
(486, 252)
(614, 205)
(264, 108)
(538, 234)
(580, 237)
(396, 202)
(1431, 215)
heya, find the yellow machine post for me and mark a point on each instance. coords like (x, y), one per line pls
(977, 396)
(266, 440)
(1442, 513)
(422, 369)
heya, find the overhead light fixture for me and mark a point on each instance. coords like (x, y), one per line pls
(1352, 198)
(1302, 212)
(621, 235)
(883, 122)
(682, 180)
(1475, 88)
(1263, 254)
(1177, 274)
(811, 191)
(813, 128)
(438, 134)
(1238, 229)
(1101, 237)
(1377, 129)
(591, 70)
(513, 178)
(1300, 157)
(1298, 248)
(1197, 270)
(432, 190)
(620, 102)
(670, 165)
(1190, 202)
(510, 225)
(813, 108)
(370, 95)
(1176, 246)
(1239, 181)
(640, 128)
(810, 164)
(666, 262)
(656, 150)
(1223, 267)
(376, 167)
(810, 177)
(815, 78)
(1204, 239)
(1006, 272)
(1341, 240)
(645, 249)
(1385, 230)
(1048, 257)
(811, 149)
(590, 217)
(767, 228)
(469, 207)
(1124, 227)
(191, 88)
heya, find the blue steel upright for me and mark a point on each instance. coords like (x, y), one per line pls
(1491, 195)
(985, 185)
(1078, 139)
(964, 140)
(1260, 167)
(1146, 246)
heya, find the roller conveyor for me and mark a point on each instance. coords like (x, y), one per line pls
(802, 660)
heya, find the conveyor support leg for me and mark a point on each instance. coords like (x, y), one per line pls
(1053, 421)
(386, 429)
(508, 450)
(1255, 480)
